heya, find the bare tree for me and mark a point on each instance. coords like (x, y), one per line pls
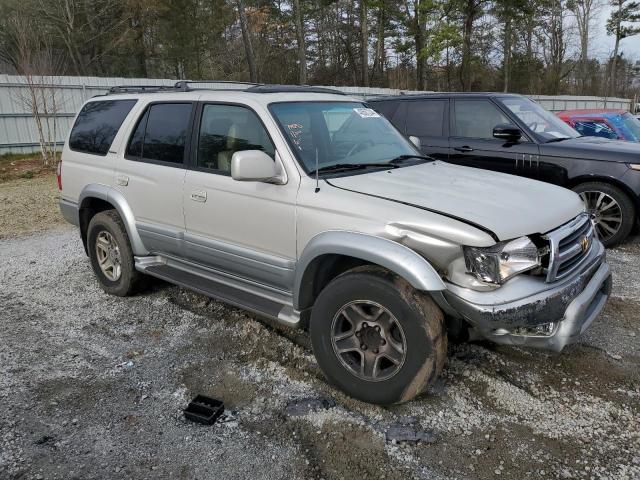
(364, 44)
(586, 13)
(300, 35)
(34, 58)
(246, 40)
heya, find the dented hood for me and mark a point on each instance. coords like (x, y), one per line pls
(506, 205)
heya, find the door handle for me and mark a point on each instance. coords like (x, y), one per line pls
(199, 196)
(463, 149)
(122, 180)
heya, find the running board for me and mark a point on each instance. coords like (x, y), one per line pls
(255, 298)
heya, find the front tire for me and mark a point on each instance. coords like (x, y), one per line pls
(111, 255)
(611, 210)
(377, 338)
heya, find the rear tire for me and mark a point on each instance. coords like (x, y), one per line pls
(401, 329)
(111, 255)
(610, 208)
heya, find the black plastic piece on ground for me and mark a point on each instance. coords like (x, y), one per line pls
(205, 410)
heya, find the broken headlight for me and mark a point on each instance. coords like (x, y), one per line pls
(498, 263)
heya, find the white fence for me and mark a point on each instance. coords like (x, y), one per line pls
(19, 133)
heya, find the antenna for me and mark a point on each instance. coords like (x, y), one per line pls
(317, 179)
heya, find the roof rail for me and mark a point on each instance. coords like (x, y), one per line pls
(292, 88)
(185, 85)
(140, 88)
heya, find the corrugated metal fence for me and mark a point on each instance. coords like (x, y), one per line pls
(19, 132)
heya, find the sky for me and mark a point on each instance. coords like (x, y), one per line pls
(602, 44)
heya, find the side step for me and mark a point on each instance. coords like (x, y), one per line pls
(232, 291)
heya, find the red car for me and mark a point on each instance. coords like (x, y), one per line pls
(606, 123)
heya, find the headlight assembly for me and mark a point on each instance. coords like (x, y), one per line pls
(498, 263)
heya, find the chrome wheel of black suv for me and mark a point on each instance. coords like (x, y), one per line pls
(611, 211)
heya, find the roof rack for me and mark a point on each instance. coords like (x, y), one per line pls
(185, 85)
(140, 88)
(292, 88)
(251, 87)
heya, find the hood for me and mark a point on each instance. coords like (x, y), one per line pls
(594, 148)
(506, 205)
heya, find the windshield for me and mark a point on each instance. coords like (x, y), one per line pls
(339, 133)
(633, 126)
(539, 120)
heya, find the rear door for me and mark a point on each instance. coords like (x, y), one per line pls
(472, 143)
(150, 174)
(427, 120)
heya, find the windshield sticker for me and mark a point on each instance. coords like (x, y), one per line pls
(295, 130)
(366, 112)
(556, 134)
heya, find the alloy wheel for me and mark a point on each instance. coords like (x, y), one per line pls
(108, 255)
(605, 212)
(368, 340)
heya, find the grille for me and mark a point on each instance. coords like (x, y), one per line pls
(569, 247)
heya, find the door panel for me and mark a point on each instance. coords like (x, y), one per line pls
(246, 229)
(150, 174)
(473, 145)
(243, 228)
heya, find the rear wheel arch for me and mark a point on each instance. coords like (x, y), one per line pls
(329, 254)
(96, 198)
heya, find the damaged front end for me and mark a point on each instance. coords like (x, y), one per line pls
(546, 310)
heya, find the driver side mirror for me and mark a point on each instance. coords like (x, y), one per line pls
(507, 132)
(254, 166)
(415, 141)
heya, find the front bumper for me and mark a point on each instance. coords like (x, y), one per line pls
(527, 301)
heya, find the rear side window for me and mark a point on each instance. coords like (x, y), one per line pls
(385, 108)
(161, 133)
(425, 118)
(97, 125)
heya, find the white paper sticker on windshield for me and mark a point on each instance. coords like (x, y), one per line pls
(366, 112)
(556, 134)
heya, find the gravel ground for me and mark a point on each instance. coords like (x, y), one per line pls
(93, 386)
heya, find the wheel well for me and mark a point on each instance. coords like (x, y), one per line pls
(321, 271)
(89, 207)
(611, 181)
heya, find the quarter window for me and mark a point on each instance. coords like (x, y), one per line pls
(425, 118)
(161, 133)
(226, 129)
(97, 125)
(476, 118)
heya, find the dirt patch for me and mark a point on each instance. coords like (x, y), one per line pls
(29, 206)
(14, 167)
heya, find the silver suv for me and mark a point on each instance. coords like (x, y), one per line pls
(307, 207)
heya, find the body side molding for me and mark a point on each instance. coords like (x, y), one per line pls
(115, 198)
(380, 251)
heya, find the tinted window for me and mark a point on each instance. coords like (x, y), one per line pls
(166, 132)
(385, 108)
(425, 118)
(476, 118)
(135, 144)
(226, 129)
(97, 125)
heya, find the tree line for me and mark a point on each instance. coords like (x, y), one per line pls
(526, 46)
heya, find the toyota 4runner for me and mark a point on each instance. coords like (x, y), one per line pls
(307, 207)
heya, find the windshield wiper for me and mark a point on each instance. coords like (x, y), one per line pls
(557, 139)
(402, 158)
(340, 167)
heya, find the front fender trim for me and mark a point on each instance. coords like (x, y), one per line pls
(391, 255)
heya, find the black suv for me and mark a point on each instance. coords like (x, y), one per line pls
(513, 134)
